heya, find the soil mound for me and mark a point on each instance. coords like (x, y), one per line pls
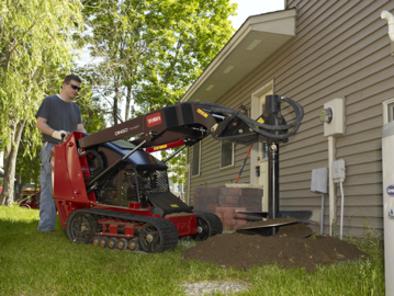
(291, 247)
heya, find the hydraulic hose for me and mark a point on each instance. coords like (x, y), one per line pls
(274, 132)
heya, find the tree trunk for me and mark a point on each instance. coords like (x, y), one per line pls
(128, 103)
(10, 156)
(115, 105)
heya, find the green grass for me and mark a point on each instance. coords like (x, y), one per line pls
(33, 263)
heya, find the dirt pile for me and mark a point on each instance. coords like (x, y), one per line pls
(291, 247)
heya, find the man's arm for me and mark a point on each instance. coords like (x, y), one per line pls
(46, 129)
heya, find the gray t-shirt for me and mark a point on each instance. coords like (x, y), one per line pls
(60, 115)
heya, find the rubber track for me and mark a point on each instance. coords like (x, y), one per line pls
(167, 230)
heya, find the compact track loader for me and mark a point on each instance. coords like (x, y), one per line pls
(109, 190)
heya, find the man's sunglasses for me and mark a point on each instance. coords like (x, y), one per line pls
(75, 87)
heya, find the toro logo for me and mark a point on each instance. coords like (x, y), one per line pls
(390, 190)
(153, 119)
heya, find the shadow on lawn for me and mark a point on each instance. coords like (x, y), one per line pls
(25, 228)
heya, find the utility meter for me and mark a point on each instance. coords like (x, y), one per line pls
(326, 115)
(333, 116)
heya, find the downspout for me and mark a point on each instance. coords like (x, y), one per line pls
(189, 183)
(333, 116)
(331, 185)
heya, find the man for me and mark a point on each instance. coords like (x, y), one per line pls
(57, 116)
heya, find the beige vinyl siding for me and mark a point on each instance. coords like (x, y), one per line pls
(352, 61)
(341, 49)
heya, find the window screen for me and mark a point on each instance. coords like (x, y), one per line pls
(227, 158)
(390, 110)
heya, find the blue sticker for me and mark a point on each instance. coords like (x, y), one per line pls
(390, 190)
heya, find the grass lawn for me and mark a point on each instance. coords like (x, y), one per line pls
(33, 263)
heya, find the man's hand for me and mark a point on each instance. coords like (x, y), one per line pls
(59, 135)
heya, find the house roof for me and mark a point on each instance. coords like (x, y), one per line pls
(257, 38)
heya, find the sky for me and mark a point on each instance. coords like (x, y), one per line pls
(247, 8)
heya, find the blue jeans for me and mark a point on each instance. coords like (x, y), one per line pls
(47, 205)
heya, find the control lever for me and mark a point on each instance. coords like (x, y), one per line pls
(63, 135)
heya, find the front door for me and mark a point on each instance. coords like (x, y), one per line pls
(259, 153)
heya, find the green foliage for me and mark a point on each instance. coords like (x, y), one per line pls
(150, 51)
(155, 47)
(35, 52)
(28, 162)
(176, 166)
(49, 264)
(35, 49)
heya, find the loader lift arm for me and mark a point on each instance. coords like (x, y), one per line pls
(188, 123)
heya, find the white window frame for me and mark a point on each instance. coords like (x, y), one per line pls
(199, 160)
(232, 156)
(388, 106)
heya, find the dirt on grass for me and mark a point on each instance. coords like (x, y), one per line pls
(291, 247)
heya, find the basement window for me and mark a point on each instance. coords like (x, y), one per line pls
(388, 111)
(227, 154)
(196, 159)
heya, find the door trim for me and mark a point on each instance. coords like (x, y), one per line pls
(255, 98)
(254, 113)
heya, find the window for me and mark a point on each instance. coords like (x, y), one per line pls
(388, 111)
(227, 154)
(196, 159)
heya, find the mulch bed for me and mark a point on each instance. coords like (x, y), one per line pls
(293, 246)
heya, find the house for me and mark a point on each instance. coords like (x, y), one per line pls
(312, 52)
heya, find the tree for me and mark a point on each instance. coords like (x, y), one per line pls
(35, 51)
(150, 51)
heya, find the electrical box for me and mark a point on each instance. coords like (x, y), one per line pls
(319, 180)
(334, 117)
(338, 170)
